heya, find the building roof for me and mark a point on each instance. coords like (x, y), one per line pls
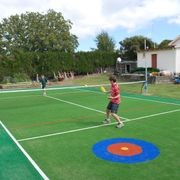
(175, 42)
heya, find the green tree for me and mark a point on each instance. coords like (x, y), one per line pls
(37, 32)
(104, 42)
(130, 46)
(164, 44)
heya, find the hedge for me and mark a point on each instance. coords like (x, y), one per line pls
(32, 63)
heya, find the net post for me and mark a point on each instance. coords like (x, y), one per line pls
(146, 73)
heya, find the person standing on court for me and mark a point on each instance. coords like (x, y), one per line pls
(114, 102)
(43, 81)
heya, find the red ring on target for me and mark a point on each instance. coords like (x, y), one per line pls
(124, 149)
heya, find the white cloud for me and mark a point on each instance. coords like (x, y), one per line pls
(90, 17)
(142, 12)
(12, 7)
(175, 20)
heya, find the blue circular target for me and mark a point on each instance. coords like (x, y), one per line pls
(125, 150)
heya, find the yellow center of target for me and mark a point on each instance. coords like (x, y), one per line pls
(124, 148)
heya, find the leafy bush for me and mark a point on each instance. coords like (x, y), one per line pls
(21, 77)
(7, 79)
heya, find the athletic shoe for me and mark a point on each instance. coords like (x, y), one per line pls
(119, 125)
(106, 121)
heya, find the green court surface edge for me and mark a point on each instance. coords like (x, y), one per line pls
(15, 163)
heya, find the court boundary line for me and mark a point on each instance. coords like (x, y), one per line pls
(130, 97)
(93, 127)
(153, 115)
(64, 132)
(40, 95)
(75, 104)
(79, 88)
(151, 100)
(79, 105)
(37, 168)
(64, 87)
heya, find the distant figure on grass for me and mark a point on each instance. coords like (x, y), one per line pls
(112, 107)
(43, 81)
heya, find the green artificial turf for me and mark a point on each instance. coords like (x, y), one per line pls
(65, 154)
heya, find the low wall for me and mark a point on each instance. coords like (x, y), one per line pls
(162, 79)
(141, 77)
(132, 77)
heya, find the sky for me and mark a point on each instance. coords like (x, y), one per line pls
(155, 19)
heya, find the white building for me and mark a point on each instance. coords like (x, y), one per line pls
(166, 60)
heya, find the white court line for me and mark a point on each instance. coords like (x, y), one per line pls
(79, 88)
(25, 153)
(68, 102)
(85, 107)
(59, 88)
(64, 132)
(93, 127)
(38, 95)
(152, 115)
(34, 95)
(151, 100)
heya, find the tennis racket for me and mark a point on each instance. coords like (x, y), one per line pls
(103, 89)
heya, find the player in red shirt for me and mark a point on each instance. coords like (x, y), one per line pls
(114, 102)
